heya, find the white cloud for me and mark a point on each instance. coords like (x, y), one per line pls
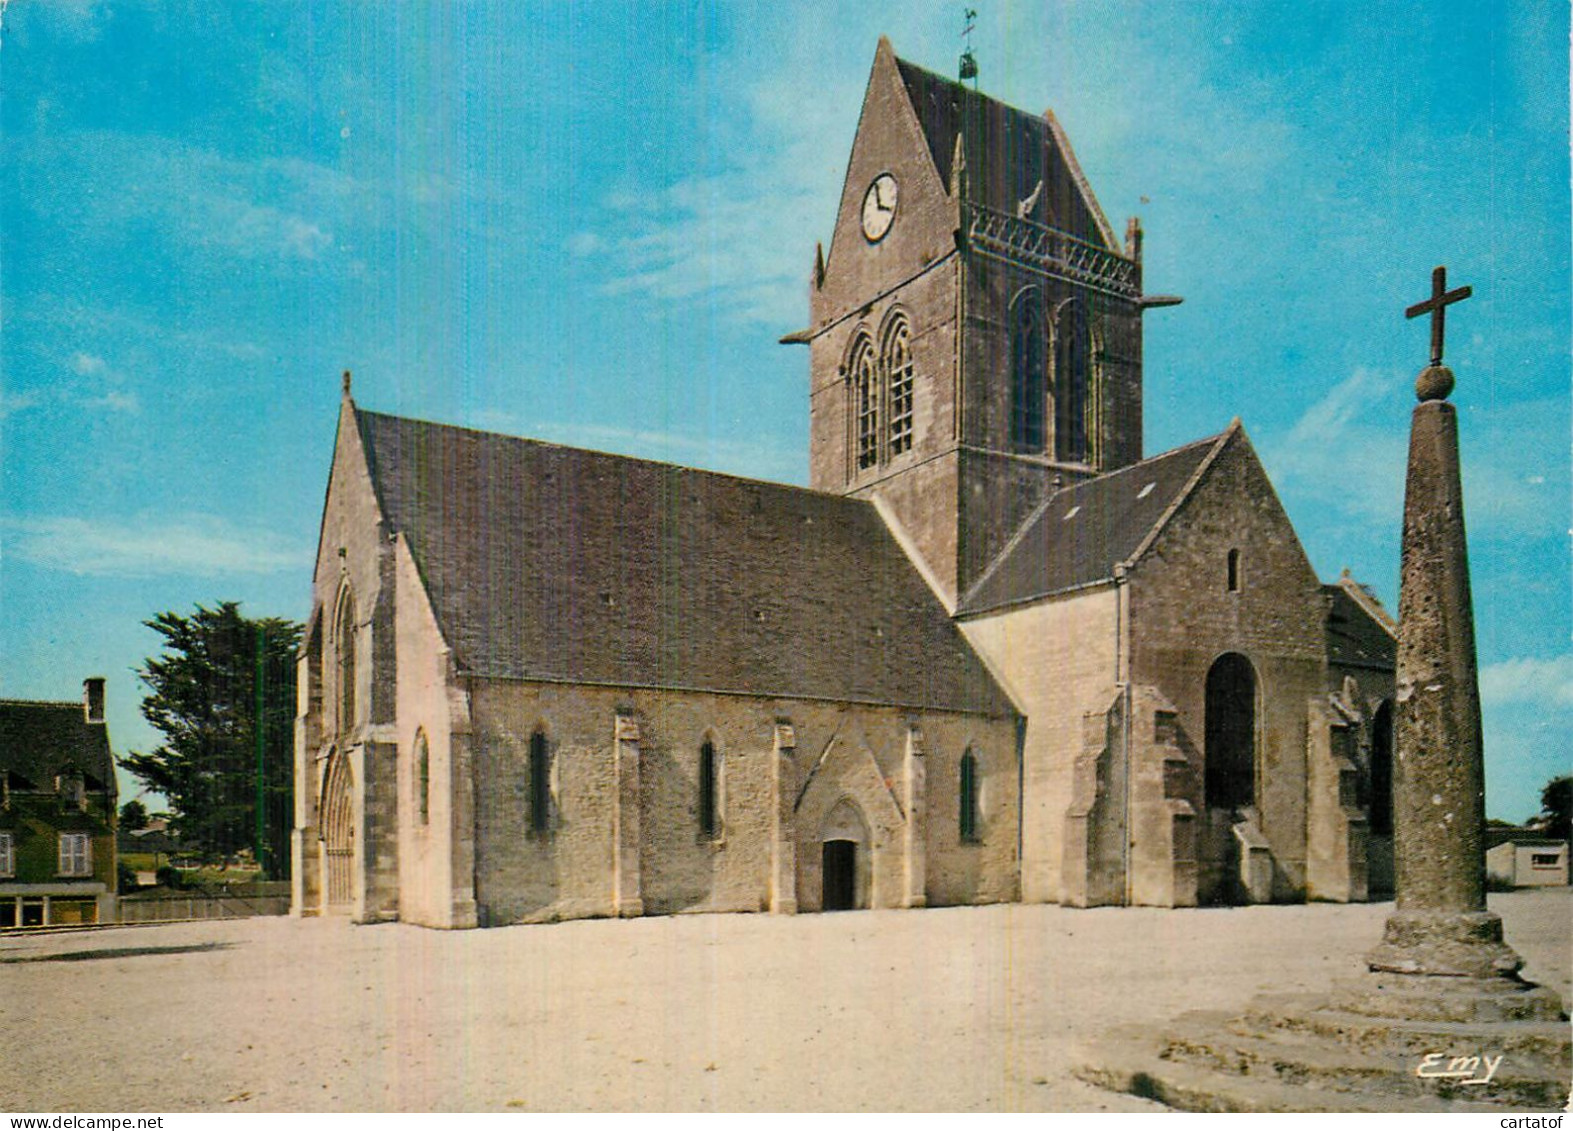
(740, 234)
(114, 400)
(1547, 682)
(13, 403)
(198, 197)
(1349, 451)
(87, 365)
(1334, 454)
(198, 545)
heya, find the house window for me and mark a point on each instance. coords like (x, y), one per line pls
(967, 818)
(423, 775)
(76, 854)
(1071, 362)
(898, 369)
(865, 401)
(709, 792)
(540, 784)
(1545, 860)
(7, 856)
(1028, 387)
(345, 644)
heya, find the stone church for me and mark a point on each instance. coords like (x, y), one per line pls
(994, 652)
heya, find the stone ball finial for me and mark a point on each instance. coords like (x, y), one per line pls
(347, 383)
(1434, 383)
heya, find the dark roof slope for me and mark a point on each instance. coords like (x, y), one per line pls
(1007, 152)
(554, 563)
(39, 740)
(1082, 531)
(1355, 636)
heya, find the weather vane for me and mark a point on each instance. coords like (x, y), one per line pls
(969, 61)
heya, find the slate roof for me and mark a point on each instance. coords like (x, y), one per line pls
(555, 563)
(40, 739)
(1355, 635)
(1082, 531)
(1007, 151)
(1504, 834)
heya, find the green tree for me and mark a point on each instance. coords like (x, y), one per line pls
(1556, 807)
(203, 697)
(133, 816)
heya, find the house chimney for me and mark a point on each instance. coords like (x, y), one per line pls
(93, 699)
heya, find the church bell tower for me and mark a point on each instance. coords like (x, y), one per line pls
(975, 331)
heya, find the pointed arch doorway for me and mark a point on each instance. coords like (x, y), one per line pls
(844, 859)
(337, 816)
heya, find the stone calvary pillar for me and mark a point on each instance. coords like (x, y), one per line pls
(1440, 927)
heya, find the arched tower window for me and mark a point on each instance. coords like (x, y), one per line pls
(709, 791)
(1028, 383)
(897, 364)
(344, 646)
(423, 775)
(540, 783)
(1072, 360)
(865, 403)
(968, 817)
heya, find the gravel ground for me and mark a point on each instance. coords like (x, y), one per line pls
(947, 1009)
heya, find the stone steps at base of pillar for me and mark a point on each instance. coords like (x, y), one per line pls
(1412, 997)
(1125, 1067)
(1226, 1046)
(1543, 1041)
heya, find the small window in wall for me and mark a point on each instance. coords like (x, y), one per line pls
(540, 784)
(1234, 571)
(709, 792)
(1544, 860)
(7, 856)
(967, 818)
(423, 775)
(76, 854)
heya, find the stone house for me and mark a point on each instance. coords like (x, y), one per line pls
(994, 652)
(57, 812)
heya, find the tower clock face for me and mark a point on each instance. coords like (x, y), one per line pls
(879, 207)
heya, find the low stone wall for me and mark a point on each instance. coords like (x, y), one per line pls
(165, 906)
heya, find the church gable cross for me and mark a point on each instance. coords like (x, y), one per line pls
(1436, 306)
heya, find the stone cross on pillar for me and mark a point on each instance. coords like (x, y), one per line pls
(1436, 306)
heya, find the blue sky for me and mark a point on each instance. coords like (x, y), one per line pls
(590, 223)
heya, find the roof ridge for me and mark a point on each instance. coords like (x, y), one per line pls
(668, 464)
(75, 704)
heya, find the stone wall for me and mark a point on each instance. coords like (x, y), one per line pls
(1058, 659)
(836, 753)
(436, 857)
